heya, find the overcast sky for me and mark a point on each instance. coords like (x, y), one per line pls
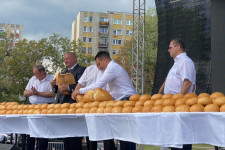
(42, 18)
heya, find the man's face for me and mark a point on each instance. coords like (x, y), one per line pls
(69, 60)
(38, 74)
(101, 64)
(173, 49)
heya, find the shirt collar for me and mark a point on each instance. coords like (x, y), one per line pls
(179, 56)
(72, 67)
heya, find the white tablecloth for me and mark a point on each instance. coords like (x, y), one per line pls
(165, 129)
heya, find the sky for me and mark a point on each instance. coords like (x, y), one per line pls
(42, 18)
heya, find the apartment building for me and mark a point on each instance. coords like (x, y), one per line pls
(13, 32)
(102, 31)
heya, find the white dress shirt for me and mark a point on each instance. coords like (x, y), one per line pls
(118, 80)
(43, 86)
(183, 68)
(91, 75)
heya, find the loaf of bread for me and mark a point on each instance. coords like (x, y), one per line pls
(97, 94)
(66, 79)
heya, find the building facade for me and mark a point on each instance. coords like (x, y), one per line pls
(12, 32)
(102, 31)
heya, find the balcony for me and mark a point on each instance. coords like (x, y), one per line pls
(103, 24)
(103, 34)
(103, 45)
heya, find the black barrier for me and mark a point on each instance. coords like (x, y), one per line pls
(8, 147)
(190, 21)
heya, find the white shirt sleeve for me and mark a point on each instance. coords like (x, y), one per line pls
(187, 71)
(108, 75)
(83, 78)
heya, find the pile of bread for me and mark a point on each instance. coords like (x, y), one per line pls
(137, 103)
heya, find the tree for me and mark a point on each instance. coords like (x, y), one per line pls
(151, 43)
(17, 62)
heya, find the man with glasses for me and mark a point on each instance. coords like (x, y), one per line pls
(181, 77)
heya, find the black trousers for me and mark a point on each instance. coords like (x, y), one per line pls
(125, 145)
(109, 144)
(91, 145)
(42, 143)
(73, 143)
(185, 147)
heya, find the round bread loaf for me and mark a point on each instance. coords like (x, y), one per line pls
(79, 110)
(178, 96)
(93, 110)
(31, 106)
(197, 108)
(147, 108)
(190, 95)
(87, 105)
(15, 111)
(97, 94)
(156, 96)
(64, 110)
(30, 111)
(73, 105)
(212, 108)
(157, 108)
(222, 108)
(37, 111)
(37, 106)
(134, 97)
(50, 111)
(191, 101)
(127, 109)
(137, 109)
(44, 106)
(108, 109)
(110, 103)
(94, 104)
(57, 110)
(139, 103)
(158, 102)
(44, 111)
(100, 110)
(117, 109)
(168, 102)
(8, 112)
(102, 104)
(79, 98)
(205, 101)
(180, 101)
(167, 96)
(72, 111)
(149, 102)
(145, 97)
(168, 108)
(85, 110)
(80, 105)
(203, 95)
(119, 103)
(129, 103)
(216, 94)
(65, 105)
(182, 108)
(219, 101)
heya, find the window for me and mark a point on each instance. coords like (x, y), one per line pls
(85, 19)
(89, 50)
(128, 32)
(115, 51)
(117, 21)
(103, 30)
(84, 49)
(104, 20)
(129, 22)
(84, 39)
(90, 40)
(117, 32)
(116, 42)
(90, 29)
(90, 19)
(85, 29)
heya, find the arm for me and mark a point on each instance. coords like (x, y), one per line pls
(27, 93)
(46, 94)
(186, 86)
(161, 90)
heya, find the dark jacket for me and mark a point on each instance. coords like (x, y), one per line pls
(77, 72)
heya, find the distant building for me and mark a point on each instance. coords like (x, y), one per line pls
(102, 31)
(14, 32)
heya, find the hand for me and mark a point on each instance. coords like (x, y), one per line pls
(35, 92)
(53, 83)
(74, 94)
(63, 88)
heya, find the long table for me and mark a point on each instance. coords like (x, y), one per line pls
(160, 129)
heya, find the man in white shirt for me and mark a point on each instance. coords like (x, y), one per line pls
(181, 77)
(39, 91)
(114, 75)
(120, 88)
